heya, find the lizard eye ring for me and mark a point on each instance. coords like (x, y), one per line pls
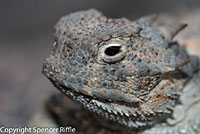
(113, 51)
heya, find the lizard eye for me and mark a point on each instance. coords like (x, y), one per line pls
(113, 51)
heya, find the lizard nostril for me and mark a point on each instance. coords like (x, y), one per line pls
(113, 50)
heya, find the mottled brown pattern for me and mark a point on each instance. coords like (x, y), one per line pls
(135, 83)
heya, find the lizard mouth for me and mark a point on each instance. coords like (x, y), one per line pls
(125, 114)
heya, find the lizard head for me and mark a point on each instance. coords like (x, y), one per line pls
(115, 67)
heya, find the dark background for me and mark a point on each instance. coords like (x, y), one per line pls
(26, 34)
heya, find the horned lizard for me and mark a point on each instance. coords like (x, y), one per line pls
(129, 73)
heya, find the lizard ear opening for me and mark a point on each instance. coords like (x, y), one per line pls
(112, 51)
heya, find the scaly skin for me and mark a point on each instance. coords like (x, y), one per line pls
(127, 72)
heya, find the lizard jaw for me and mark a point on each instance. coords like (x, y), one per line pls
(118, 113)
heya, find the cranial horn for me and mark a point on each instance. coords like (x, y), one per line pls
(147, 20)
(170, 31)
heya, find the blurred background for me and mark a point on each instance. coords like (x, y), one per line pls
(26, 35)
